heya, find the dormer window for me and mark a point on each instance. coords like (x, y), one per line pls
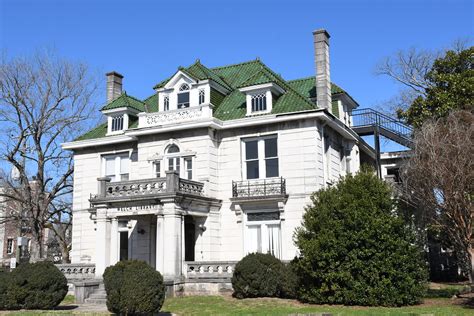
(166, 103)
(259, 102)
(183, 96)
(117, 123)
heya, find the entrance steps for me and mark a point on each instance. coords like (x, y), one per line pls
(98, 297)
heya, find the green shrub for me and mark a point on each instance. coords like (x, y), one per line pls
(38, 285)
(355, 251)
(4, 282)
(260, 275)
(133, 287)
(289, 286)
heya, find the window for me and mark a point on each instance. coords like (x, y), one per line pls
(183, 96)
(259, 102)
(117, 123)
(117, 167)
(261, 158)
(263, 233)
(10, 246)
(173, 162)
(166, 103)
(188, 168)
(201, 96)
(157, 168)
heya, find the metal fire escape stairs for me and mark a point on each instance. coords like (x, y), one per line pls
(371, 122)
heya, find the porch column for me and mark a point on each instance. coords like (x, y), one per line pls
(169, 241)
(114, 241)
(102, 242)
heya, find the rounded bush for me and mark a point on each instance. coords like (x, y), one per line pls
(37, 285)
(259, 275)
(354, 250)
(133, 287)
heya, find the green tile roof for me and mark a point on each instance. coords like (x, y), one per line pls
(299, 93)
(125, 100)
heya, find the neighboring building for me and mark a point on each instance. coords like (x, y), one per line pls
(216, 163)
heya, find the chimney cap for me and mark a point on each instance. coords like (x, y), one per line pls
(114, 73)
(323, 31)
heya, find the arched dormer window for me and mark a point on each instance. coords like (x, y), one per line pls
(183, 96)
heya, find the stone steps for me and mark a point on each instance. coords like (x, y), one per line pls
(98, 297)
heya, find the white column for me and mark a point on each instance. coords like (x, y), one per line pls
(159, 248)
(114, 241)
(102, 253)
(172, 240)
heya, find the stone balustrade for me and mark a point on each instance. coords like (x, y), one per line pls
(77, 271)
(215, 270)
(192, 113)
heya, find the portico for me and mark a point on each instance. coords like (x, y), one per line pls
(156, 220)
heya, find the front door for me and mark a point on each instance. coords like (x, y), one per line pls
(189, 238)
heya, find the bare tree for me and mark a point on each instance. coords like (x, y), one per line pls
(44, 101)
(439, 177)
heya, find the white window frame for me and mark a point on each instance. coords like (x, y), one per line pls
(262, 170)
(155, 172)
(10, 246)
(166, 102)
(117, 165)
(186, 170)
(263, 232)
(188, 91)
(201, 96)
(178, 157)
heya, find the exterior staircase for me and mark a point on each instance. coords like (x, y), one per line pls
(372, 122)
(98, 297)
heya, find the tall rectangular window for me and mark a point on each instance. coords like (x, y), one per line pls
(174, 164)
(188, 168)
(10, 246)
(261, 157)
(157, 168)
(201, 96)
(117, 123)
(166, 103)
(263, 233)
(117, 167)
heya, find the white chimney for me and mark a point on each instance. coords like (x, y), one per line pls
(114, 85)
(323, 78)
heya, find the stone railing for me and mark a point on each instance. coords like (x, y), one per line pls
(175, 116)
(215, 270)
(259, 188)
(77, 271)
(146, 187)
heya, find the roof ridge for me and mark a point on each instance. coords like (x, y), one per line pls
(301, 79)
(236, 64)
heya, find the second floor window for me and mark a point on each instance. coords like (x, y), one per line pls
(261, 158)
(117, 123)
(117, 167)
(183, 96)
(10, 246)
(259, 102)
(166, 103)
(157, 168)
(188, 168)
(174, 163)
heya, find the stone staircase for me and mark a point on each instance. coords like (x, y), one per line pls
(98, 297)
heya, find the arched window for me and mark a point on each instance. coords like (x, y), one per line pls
(183, 96)
(173, 162)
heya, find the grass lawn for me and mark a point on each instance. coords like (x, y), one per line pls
(224, 305)
(218, 305)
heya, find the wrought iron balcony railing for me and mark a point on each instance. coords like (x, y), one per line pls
(259, 188)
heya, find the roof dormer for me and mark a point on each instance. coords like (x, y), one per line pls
(122, 113)
(261, 91)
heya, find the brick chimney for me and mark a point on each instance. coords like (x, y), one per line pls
(114, 85)
(323, 78)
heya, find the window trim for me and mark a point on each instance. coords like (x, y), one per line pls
(181, 92)
(261, 156)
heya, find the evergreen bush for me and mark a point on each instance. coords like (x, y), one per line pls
(37, 285)
(133, 287)
(260, 275)
(355, 251)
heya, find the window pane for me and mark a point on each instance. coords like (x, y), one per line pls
(124, 177)
(254, 239)
(251, 150)
(190, 174)
(170, 164)
(263, 216)
(183, 99)
(252, 169)
(271, 149)
(271, 166)
(173, 149)
(124, 163)
(158, 169)
(110, 166)
(274, 240)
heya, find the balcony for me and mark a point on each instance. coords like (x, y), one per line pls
(259, 189)
(146, 189)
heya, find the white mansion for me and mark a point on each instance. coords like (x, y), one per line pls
(217, 163)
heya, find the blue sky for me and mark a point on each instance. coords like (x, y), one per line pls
(147, 40)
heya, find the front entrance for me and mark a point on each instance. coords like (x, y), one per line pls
(123, 241)
(189, 238)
